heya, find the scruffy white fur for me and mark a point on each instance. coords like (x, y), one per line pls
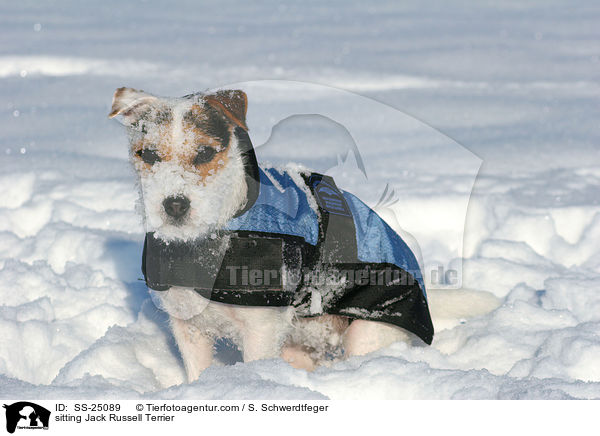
(213, 205)
(259, 332)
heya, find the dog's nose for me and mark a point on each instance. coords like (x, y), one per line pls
(176, 206)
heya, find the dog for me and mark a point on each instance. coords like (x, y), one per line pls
(197, 173)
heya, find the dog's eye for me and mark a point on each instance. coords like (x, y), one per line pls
(148, 156)
(205, 154)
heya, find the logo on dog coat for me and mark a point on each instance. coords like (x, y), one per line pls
(330, 198)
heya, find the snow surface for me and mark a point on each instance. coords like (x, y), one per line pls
(516, 84)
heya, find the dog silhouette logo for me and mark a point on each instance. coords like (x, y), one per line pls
(26, 415)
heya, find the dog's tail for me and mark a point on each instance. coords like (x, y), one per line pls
(450, 307)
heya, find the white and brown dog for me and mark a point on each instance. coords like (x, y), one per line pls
(192, 182)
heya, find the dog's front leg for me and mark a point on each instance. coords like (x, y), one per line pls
(264, 332)
(196, 348)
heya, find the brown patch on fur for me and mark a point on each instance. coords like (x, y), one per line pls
(151, 135)
(198, 125)
(232, 103)
(165, 153)
(210, 124)
(207, 169)
(211, 168)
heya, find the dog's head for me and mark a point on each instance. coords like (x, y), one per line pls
(191, 156)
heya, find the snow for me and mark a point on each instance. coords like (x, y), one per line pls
(516, 85)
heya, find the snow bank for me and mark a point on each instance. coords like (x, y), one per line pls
(77, 321)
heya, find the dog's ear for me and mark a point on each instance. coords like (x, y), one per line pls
(233, 104)
(130, 103)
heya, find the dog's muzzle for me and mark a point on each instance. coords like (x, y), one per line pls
(176, 207)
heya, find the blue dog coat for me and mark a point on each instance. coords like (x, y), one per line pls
(303, 242)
